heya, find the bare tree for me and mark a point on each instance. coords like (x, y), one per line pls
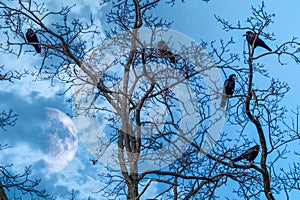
(261, 107)
(7, 119)
(127, 79)
(21, 184)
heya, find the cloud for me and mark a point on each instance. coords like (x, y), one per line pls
(28, 141)
(21, 155)
(28, 98)
(31, 121)
(27, 138)
(80, 175)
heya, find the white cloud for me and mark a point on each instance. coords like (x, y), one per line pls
(21, 155)
(80, 177)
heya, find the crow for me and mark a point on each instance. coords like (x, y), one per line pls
(250, 37)
(32, 39)
(249, 155)
(228, 90)
(165, 51)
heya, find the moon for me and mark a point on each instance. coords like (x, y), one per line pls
(92, 130)
(62, 140)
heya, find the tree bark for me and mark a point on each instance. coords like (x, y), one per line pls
(256, 122)
(132, 190)
(2, 193)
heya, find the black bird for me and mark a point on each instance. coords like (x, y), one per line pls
(228, 90)
(249, 155)
(250, 37)
(165, 51)
(94, 161)
(32, 38)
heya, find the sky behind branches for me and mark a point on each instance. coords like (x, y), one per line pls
(29, 98)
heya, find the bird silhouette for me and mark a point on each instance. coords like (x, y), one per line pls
(165, 51)
(94, 161)
(250, 37)
(249, 155)
(33, 40)
(228, 90)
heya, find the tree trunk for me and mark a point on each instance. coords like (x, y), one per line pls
(132, 190)
(2, 193)
(256, 122)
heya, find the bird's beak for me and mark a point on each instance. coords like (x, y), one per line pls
(245, 35)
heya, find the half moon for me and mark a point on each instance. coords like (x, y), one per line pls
(62, 140)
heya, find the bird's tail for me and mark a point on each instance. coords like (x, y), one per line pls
(37, 48)
(266, 47)
(237, 159)
(224, 99)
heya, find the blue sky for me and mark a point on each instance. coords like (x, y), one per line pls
(29, 98)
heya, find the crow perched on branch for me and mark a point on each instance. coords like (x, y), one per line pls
(250, 37)
(249, 155)
(32, 39)
(228, 90)
(165, 51)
